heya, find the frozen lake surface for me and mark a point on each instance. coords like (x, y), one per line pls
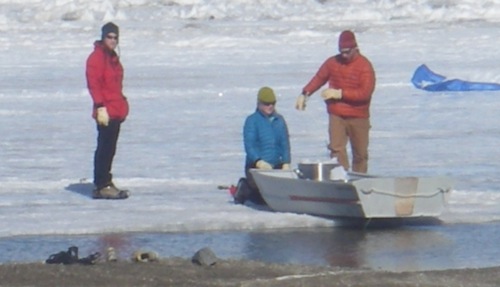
(192, 71)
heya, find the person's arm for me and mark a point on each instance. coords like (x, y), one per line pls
(319, 79)
(94, 72)
(250, 139)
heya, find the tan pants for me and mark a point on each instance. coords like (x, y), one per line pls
(354, 130)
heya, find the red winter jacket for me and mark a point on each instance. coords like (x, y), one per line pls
(356, 79)
(104, 81)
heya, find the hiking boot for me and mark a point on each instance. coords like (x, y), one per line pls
(111, 255)
(140, 256)
(91, 259)
(109, 192)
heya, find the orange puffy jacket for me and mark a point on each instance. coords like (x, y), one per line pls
(356, 79)
(104, 81)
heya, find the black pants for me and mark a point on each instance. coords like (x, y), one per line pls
(107, 137)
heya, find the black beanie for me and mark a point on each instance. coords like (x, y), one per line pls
(109, 28)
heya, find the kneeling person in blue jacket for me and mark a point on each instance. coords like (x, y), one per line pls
(267, 145)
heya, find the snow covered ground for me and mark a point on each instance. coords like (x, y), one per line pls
(192, 71)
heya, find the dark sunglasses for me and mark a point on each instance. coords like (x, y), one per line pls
(268, 104)
(112, 37)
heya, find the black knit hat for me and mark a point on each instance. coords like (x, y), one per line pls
(109, 27)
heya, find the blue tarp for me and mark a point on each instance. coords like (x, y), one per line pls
(425, 79)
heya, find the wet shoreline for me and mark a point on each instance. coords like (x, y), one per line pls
(182, 272)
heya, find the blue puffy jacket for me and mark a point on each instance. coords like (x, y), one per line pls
(266, 138)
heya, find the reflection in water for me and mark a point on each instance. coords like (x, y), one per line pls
(406, 249)
(389, 249)
(327, 246)
(119, 242)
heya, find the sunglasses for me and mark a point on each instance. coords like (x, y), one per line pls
(112, 37)
(346, 51)
(268, 104)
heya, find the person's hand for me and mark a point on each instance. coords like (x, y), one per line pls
(331, 94)
(102, 116)
(301, 102)
(261, 164)
(285, 166)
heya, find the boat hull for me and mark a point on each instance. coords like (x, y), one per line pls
(359, 196)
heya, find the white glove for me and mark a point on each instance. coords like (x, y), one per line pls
(331, 94)
(285, 166)
(102, 116)
(260, 164)
(301, 102)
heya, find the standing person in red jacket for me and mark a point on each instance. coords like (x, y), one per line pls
(104, 80)
(351, 82)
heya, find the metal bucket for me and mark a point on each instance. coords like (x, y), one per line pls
(317, 171)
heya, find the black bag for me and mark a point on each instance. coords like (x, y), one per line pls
(64, 257)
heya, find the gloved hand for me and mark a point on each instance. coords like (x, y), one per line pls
(331, 94)
(285, 166)
(301, 102)
(261, 164)
(102, 116)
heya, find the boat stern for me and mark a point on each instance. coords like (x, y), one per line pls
(403, 197)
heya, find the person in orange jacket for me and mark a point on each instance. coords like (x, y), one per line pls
(351, 82)
(104, 74)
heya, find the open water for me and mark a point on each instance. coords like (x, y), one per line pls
(405, 248)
